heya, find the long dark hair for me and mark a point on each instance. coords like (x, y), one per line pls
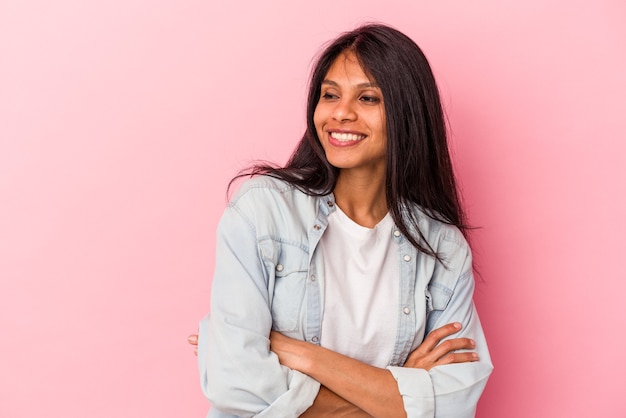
(418, 170)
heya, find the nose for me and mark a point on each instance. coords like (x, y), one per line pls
(344, 111)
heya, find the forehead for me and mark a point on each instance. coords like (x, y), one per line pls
(347, 68)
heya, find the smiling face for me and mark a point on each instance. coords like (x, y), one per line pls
(350, 118)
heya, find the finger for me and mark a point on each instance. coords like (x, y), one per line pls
(193, 339)
(451, 345)
(457, 358)
(444, 348)
(435, 336)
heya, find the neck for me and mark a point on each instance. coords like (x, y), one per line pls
(362, 198)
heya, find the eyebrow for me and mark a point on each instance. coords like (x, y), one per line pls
(360, 85)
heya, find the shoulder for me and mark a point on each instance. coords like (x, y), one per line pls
(266, 190)
(263, 183)
(265, 200)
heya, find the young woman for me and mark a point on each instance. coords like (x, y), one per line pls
(343, 282)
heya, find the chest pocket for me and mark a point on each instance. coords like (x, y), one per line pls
(287, 268)
(437, 299)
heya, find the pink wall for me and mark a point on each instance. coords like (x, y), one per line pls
(121, 122)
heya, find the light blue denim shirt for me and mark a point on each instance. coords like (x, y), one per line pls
(268, 276)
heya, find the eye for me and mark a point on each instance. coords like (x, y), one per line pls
(329, 96)
(370, 99)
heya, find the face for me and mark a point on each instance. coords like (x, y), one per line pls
(350, 118)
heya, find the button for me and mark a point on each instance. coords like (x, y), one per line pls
(313, 278)
(317, 227)
(406, 311)
(407, 258)
(396, 233)
(279, 267)
(331, 203)
(315, 339)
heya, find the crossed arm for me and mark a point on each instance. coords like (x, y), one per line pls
(351, 388)
(247, 369)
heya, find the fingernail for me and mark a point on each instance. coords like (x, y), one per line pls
(457, 325)
(473, 343)
(475, 356)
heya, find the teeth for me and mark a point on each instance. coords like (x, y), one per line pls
(346, 137)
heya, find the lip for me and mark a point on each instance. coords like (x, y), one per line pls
(342, 144)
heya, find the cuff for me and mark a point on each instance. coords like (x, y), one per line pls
(416, 388)
(300, 396)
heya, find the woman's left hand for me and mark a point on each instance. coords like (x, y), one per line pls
(434, 351)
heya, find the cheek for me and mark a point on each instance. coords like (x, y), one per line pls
(383, 121)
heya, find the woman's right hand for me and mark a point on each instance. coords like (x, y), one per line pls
(193, 340)
(432, 352)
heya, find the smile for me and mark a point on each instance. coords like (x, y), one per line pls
(346, 137)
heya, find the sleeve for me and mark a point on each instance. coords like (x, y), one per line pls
(238, 372)
(453, 390)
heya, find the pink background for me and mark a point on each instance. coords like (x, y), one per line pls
(122, 121)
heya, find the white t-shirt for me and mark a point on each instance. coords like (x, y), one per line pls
(361, 286)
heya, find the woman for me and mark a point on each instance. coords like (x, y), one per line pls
(342, 278)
